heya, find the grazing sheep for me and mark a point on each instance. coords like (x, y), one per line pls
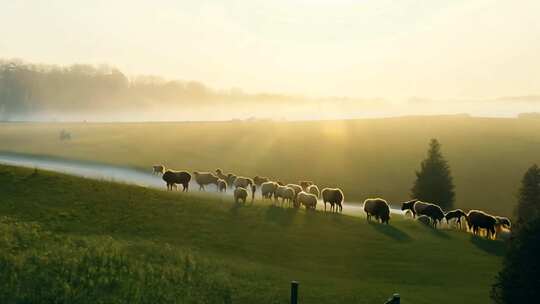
(377, 207)
(280, 193)
(288, 195)
(477, 220)
(434, 212)
(268, 189)
(158, 169)
(259, 180)
(305, 184)
(244, 182)
(313, 189)
(297, 189)
(307, 199)
(334, 196)
(424, 219)
(240, 194)
(176, 177)
(221, 185)
(230, 179)
(205, 178)
(455, 214)
(409, 205)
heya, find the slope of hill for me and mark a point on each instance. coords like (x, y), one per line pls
(337, 258)
(370, 157)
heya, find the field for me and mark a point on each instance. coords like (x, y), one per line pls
(370, 157)
(254, 250)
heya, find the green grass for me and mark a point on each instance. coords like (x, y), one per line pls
(259, 248)
(369, 157)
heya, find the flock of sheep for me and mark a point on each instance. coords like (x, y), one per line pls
(307, 194)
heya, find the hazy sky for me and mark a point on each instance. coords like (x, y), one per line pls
(359, 48)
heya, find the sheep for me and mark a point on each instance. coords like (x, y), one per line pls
(434, 212)
(334, 196)
(377, 207)
(477, 220)
(244, 182)
(288, 195)
(177, 177)
(305, 184)
(205, 178)
(424, 219)
(222, 185)
(307, 199)
(409, 205)
(313, 189)
(240, 194)
(297, 189)
(158, 169)
(259, 180)
(280, 193)
(268, 189)
(455, 214)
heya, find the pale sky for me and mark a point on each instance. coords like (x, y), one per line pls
(378, 48)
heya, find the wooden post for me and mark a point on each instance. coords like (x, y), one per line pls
(294, 292)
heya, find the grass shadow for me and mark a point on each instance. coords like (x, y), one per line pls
(390, 231)
(282, 216)
(493, 247)
(438, 232)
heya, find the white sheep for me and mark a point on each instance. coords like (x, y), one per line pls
(307, 199)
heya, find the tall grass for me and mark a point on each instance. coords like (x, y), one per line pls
(37, 266)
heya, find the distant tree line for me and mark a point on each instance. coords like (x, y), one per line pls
(32, 88)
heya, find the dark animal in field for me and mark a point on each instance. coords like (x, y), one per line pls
(308, 200)
(333, 196)
(378, 208)
(504, 222)
(409, 205)
(434, 212)
(158, 169)
(297, 189)
(455, 214)
(177, 177)
(244, 182)
(424, 219)
(305, 184)
(240, 194)
(221, 185)
(259, 180)
(477, 220)
(205, 178)
(268, 189)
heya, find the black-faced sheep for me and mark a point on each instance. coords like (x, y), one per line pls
(244, 182)
(334, 196)
(307, 199)
(177, 177)
(158, 169)
(240, 194)
(477, 220)
(502, 224)
(205, 178)
(259, 180)
(268, 189)
(221, 185)
(313, 189)
(455, 214)
(378, 208)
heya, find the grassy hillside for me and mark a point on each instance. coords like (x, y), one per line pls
(370, 157)
(259, 248)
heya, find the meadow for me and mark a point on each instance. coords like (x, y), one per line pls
(366, 158)
(128, 235)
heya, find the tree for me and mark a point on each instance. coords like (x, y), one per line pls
(434, 181)
(519, 279)
(529, 196)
